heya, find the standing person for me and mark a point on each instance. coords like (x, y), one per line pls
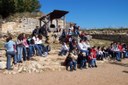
(25, 48)
(63, 36)
(19, 43)
(71, 27)
(10, 52)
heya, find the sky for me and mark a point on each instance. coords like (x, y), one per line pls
(91, 13)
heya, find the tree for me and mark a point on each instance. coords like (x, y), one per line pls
(9, 7)
(27, 5)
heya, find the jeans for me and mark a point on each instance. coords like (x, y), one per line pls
(106, 54)
(118, 55)
(10, 54)
(41, 48)
(25, 53)
(39, 53)
(83, 63)
(126, 54)
(72, 65)
(86, 51)
(19, 53)
(94, 62)
(31, 51)
(100, 56)
(63, 52)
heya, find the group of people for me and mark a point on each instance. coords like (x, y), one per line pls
(24, 48)
(76, 43)
(83, 53)
(73, 43)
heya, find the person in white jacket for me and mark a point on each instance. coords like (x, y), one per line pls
(64, 49)
(83, 47)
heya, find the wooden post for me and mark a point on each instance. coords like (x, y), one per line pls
(64, 22)
(40, 23)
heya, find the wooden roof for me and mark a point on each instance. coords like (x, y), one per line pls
(56, 14)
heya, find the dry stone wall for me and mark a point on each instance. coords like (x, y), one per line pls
(116, 38)
(21, 25)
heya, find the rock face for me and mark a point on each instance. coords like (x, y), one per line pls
(2, 65)
(37, 64)
(21, 25)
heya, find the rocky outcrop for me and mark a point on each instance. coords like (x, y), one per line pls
(36, 64)
(21, 25)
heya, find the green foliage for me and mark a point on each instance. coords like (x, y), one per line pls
(6, 8)
(10, 7)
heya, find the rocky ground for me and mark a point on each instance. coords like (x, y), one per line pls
(38, 64)
(48, 70)
(107, 73)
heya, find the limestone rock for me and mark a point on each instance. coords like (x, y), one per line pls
(2, 65)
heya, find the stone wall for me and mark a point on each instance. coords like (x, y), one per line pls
(21, 25)
(116, 38)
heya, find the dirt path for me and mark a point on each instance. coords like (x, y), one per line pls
(105, 74)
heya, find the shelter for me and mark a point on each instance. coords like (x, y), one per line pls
(54, 19)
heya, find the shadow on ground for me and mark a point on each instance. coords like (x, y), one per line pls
(125, 71)
(120, 64)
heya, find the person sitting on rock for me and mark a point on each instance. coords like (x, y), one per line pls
(31, 44)
(82, 59)
(64, 49)
(70, 61)
(83, 47)
(36, 31)
(93, 55)
(100, 54)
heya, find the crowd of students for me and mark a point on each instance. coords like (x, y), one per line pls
(76, 43)
(73, 43)
(24, 48)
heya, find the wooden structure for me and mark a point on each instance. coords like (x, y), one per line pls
(52, 19)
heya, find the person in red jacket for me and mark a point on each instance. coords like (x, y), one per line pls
(93, 54)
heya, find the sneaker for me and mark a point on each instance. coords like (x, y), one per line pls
(96, 66)
(10, 69)
(75, 69)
